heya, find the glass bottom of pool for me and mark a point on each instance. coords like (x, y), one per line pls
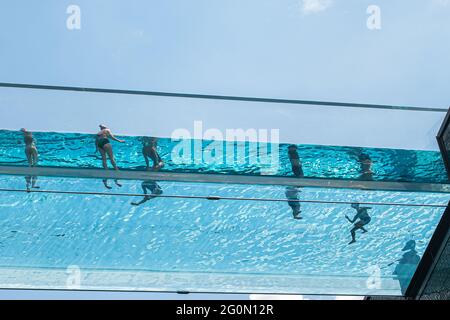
(75, 234)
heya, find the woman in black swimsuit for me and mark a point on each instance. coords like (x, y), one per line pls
(103, 145)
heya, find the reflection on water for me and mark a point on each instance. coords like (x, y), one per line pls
(31, 182)
(149, 186)
(292, 194)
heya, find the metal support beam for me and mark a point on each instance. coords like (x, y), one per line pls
(220, 97)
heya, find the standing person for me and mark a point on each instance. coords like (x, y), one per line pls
(149, 151)
(104, 146)
(292, 195)
(30, 147)
(295, 161)
(364, 219)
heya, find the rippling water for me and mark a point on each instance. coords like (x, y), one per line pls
(189, 235)
(78, 150)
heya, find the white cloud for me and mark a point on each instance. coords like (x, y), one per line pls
(314, 6)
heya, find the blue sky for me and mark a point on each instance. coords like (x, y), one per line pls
(253, 48)
(318, 50)
(293, 49)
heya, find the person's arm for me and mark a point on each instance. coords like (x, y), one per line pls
(354, 218)
(112, 136)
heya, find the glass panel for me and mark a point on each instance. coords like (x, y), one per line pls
(197, 245)
(332, 142)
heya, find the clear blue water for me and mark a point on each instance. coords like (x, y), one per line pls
(249, 238)
(77, 150)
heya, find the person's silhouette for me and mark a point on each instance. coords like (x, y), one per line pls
(149, 186)
(297, 168)
(364, 219)
(292, 195)
(407, 265)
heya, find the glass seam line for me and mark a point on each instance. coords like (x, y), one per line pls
(214, 198)
(220, 97)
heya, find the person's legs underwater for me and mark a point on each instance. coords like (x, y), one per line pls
(357, 226)
(107, 150)
(34, 156)
(296, 209)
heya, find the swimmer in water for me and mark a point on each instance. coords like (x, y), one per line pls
(149, 186)
(364, 219)
(149, 152)
(31, 182)
(295, 161)
(30, 147)
(104, 146)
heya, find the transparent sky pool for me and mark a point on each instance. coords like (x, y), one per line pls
(185, 244)
(78, 150)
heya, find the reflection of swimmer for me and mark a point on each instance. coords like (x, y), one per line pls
(366, 166)
(364, 219)
(103, 145)
(407, 265)
(149, 186)
(295, 161)
(30, 147)
(149, 151)
(31, 182)
(292, 194)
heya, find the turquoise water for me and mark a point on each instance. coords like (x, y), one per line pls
(237, 245)
(78, 150)
(254, 239)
